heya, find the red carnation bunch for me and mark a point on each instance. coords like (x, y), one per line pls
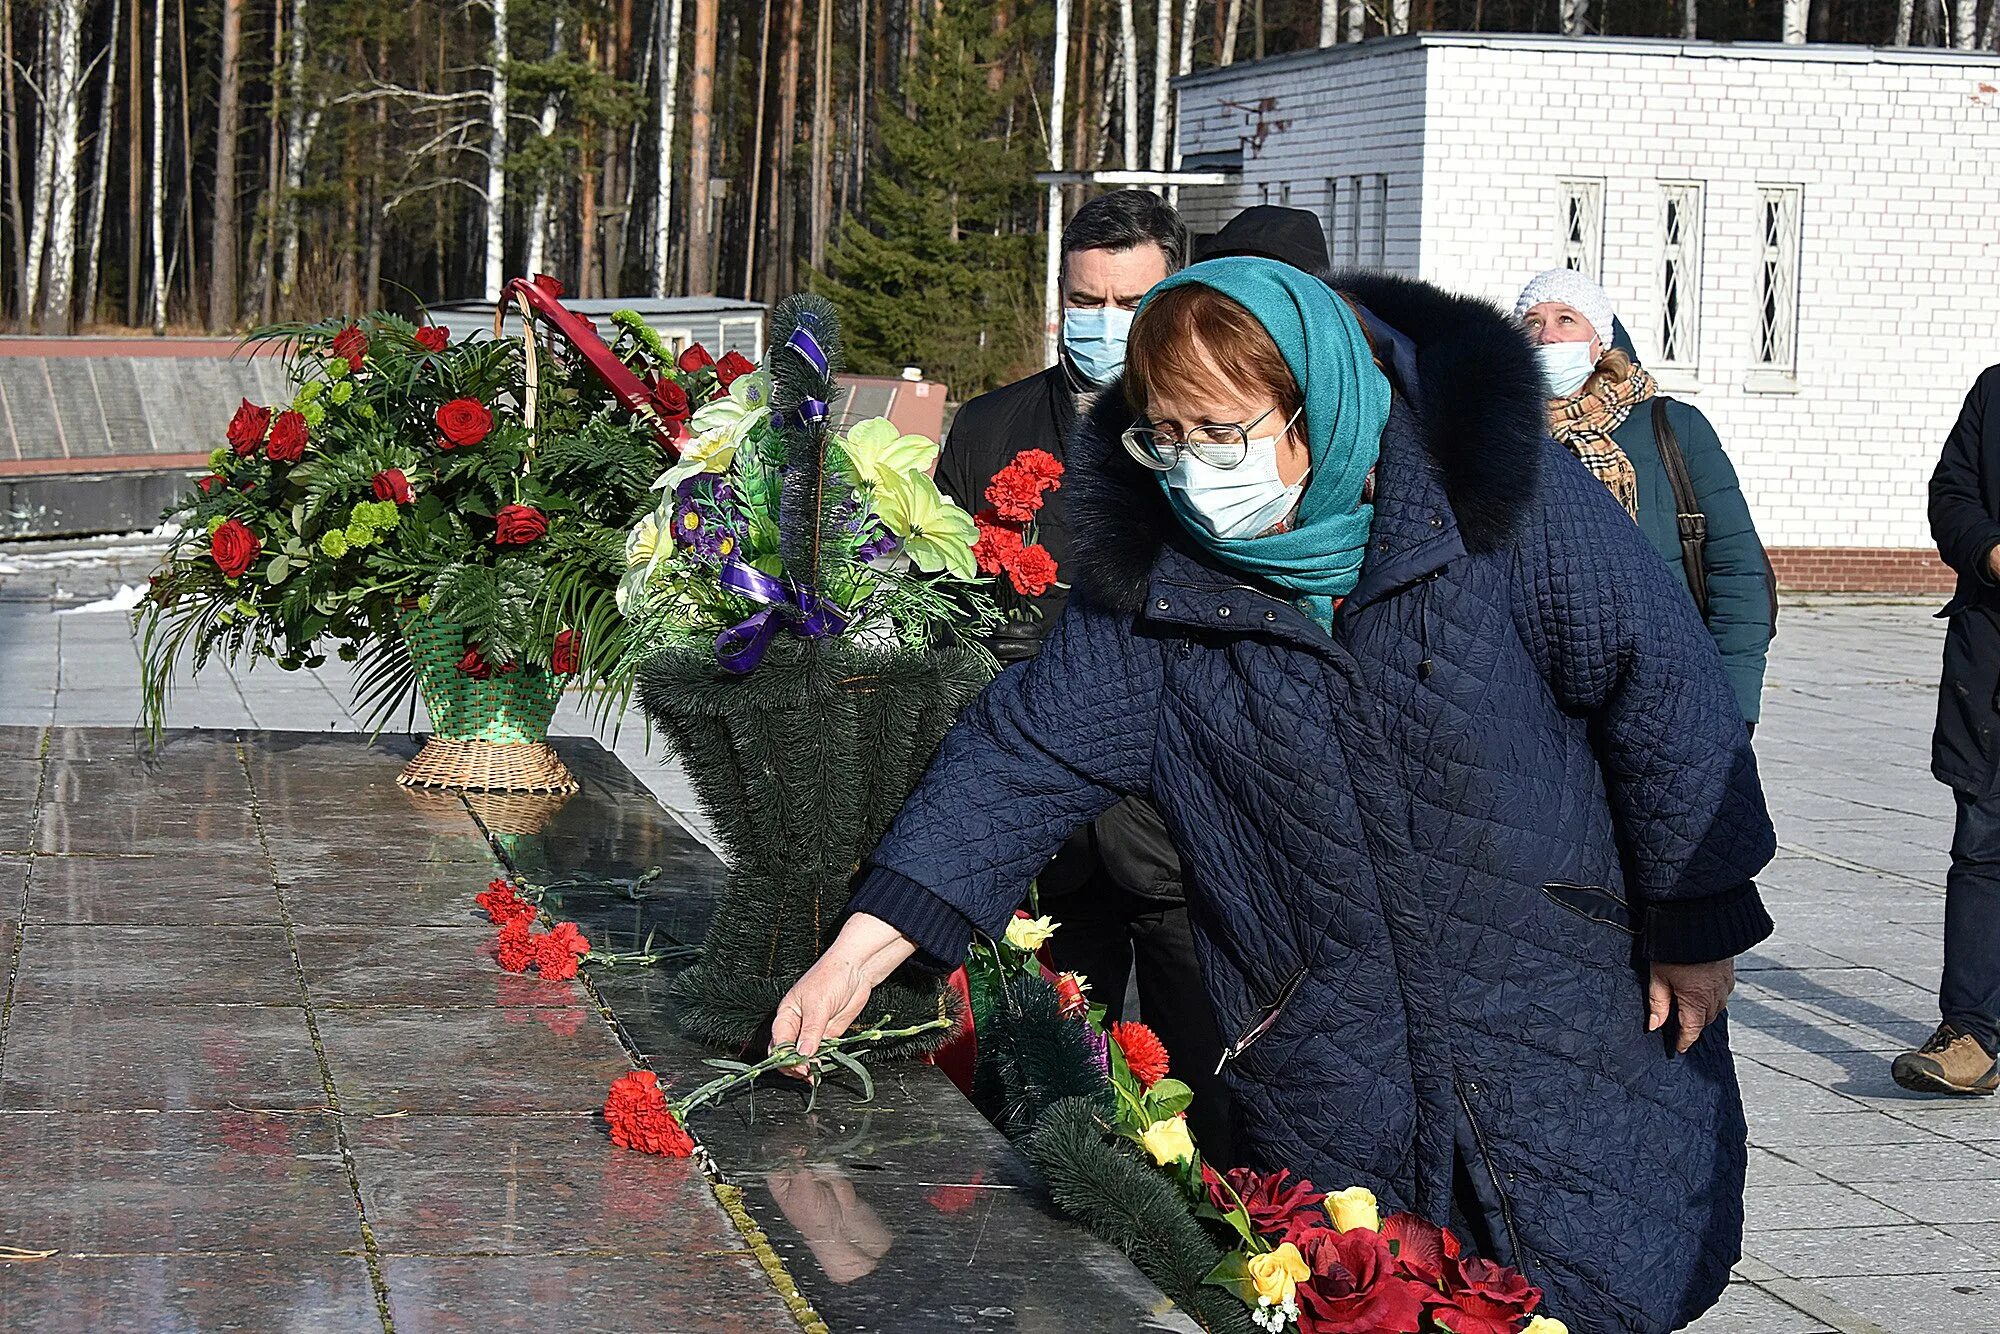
(515, 946)
(1145, 1054)
(247, 427)
(431, 338)
(518, 525)
(1007, 542)
(1017, 490)
(559, 950)
(351, 344)
(504, 904)
(637, 1112)
(288, 438)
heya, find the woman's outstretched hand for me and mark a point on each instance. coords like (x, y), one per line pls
(1694, 992)
(833, 991)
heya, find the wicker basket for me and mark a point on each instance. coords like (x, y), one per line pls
(486, 735)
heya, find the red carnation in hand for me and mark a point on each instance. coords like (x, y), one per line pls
(1041, 465)
(517, 525)
(515, 947)
(352, 344)
(1070, 990)
(694, 360)
(391, 484)
(474, 665)
(288, 438)
(733, 367)
(1016, 490)
(1145, 1054)
(1354, 1286)
(1277, 1204)
(999, 544)
(565, 656)
(234, 546)
(1033, 571)
(463, 422)
(1486, 1298)
(431, 338)
(637, 1112)
(247, 427)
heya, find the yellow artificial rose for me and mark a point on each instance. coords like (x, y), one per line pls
(1278, 1273)
(1168, 1141)
(1028, 933)
(1354, 1209)
(1542, 1324)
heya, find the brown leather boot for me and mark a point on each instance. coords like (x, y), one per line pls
(1951, 1062)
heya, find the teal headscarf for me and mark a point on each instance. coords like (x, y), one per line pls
(1346, 407)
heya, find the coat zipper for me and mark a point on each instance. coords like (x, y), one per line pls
(1486, 1161)
(1268, 1017)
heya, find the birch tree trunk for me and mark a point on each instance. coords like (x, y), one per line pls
(1185, 61)
(1230, 27)
(38, 217)
(1128, 46)
(101, 186)
(1399, 17)
(701, 128)
(1964, 24)
(62, 108)
(301, 128)
(158, 167)
(222, 215)
(822, 140)
(1689, 19)
(1357, 19)
(1329, 22)
(496, 158)
(667, 36)
(784, 189)
(10, 114)
(1163, 63)
(1574, 16)
(1990, 24)
(1793, 31)
(135, 172)
(538, 212)
(1905, 15)
(757, 152)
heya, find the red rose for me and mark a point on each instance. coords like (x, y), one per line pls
(1354, 1287)
(1033, 571)
(209, 483)
(1278, 1204)
(1145, 1054)
(288, 438)
(391, 484)
(694, 359)
(999, 543)
(463, 421)
(433, 339)
(517, 525)
(671, 400)
(732, 367)
(474, 666)
(1070, 995)
(552, 286)
(1424, 1251)
(352, 344)
(564, 656)
(637, 1113)
(247, 427)
(234, 546)
(515, 947)
(1482, 1297)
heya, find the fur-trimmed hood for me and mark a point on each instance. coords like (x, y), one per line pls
(1479, 408)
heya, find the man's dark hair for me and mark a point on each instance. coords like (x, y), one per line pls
(1127, 218)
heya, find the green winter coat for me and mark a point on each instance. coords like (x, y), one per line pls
(1739, 593)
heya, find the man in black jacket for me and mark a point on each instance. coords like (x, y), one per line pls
(1965, 754)
(1115, 888)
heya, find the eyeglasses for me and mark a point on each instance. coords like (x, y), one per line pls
(1218, 444)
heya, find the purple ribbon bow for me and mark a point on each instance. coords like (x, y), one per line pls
(741, 647)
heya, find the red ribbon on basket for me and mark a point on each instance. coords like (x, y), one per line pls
(958, 1057)
(541, 294)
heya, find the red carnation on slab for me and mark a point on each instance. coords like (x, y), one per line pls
(518, 525)
(474, 665)
(288, 438)
(504, 906)
(733, 367)
(515, 947)
(463, 422)
(1145, 1054)
(234, 546)
(247, 427)
(352, 344)
(1070, 996)
(694, 360)
(556, 963)
(431, 338)
(392, 484)
(565, 655)
(1033, 572)
(637, 1112)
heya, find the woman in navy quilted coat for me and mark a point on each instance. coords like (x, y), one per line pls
(1467, 804)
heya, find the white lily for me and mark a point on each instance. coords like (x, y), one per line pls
(719, 429)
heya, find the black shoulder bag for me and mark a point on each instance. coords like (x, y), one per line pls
(1693, 522)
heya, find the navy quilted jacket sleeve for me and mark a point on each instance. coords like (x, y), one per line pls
(1045, 749)
(1620, 644)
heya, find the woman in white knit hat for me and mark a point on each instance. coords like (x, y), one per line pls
(1608, 411)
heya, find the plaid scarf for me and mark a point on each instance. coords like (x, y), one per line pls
(1584, 421)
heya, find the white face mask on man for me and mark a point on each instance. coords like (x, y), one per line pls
(1565, 366)
(1245, 501)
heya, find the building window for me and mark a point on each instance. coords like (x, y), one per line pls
(1335, 198)
(1580, 227)
(1357, 221)
(1374, 249)
(1778, 278)
(1680, 275)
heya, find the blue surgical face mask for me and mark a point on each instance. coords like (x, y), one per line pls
(1565, 366)
(1095, 337)
(1248, 500)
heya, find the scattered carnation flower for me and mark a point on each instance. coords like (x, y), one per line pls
(503, 904)
(637, 1112)
(1145, 1054)
(515, 947)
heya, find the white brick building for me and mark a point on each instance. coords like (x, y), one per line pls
(1804, 241)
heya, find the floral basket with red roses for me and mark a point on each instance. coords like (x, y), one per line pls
(1097, 1112)
(450, 514)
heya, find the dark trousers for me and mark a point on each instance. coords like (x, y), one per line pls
(1970, 995)
(1103, 932)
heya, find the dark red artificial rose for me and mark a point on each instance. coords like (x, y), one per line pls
(1033, 571)
(247, 427)
(1279, 1205)
(431, 338)
(352, 344)
(288, 438)
(564, 657)
(1482, 1297)
(1354, 1287)
(464, 421)
(474, 665)
(391, 484)
(517, 525)
(733, 367)
(694, 360)
(1424, 1251)
(234, 546)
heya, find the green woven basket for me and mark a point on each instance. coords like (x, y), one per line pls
(487, 735)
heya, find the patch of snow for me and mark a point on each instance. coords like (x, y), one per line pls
(125, 599)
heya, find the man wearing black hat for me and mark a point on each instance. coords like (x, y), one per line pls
(1289, 235)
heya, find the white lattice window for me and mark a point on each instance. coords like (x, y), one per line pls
(1336, 197)
(1375, 221)
(1580, 227)
(1680, 275)
(1778, 278)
